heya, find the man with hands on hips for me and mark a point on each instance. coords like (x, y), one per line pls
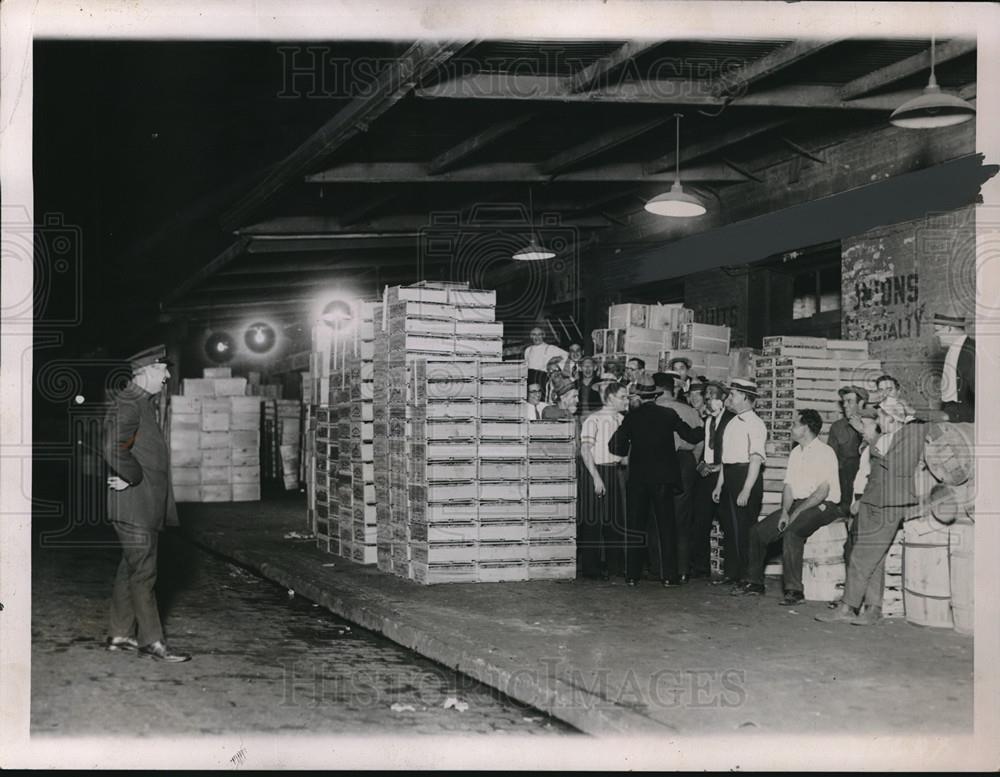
(140, 503)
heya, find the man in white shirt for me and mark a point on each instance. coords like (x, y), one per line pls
(601, 494)
(537, 356)
(958, 379)
(740, 489)
(534, 406)
(810, 500)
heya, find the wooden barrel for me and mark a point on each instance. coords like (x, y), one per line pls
(950, 452)
(953, 503)
(823, 571)
(926, 575)
(961, 557)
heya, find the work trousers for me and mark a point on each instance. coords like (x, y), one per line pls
(876, 529)
(133, 601)
(704, 511)
(641, 496)
(601, 522)
(793, 541)
(738, 520)
(683, 509)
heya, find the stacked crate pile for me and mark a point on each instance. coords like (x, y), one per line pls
(796, 373)
(637, 331)
(215, 440)
(282, 441)
(892, 592)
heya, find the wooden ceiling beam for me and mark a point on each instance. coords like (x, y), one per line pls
(714, 143)
(599, 144)
(417, 172)
(740, 79)
(393, 83)
(905, 68)
(228, 255)
(599, 70)
(456, 155)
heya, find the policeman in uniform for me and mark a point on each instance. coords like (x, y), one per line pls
(141, 502)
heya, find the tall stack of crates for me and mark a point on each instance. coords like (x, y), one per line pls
(892, 592)
(796, 373)
(282, 426)
(453, 498)
(214, 434)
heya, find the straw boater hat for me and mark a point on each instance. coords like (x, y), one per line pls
(861, 393)
(698, 385)
(942, 319)
(722, 387)
(555, 360)
(564, 389)
(644, 387)
(682, 359)
(745, 385)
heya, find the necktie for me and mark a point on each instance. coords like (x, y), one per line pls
(711, 437)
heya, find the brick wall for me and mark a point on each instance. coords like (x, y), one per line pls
(893, 278)
(720, 297)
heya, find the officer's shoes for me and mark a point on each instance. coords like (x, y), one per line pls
(792, 598)
(161, 652)
(867, 616)
(122, 643)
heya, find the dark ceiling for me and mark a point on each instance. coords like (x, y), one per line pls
(281, 166)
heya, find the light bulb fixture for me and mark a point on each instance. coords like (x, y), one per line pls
(337, 314)
(933, 108)
(260, 337)
(676, 202)
(219, 347)
(534, 251)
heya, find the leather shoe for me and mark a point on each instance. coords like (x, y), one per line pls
(792, 598)
(161, 652)
(631, 582)
(724, 581)
(748, 589)
(868, 615)
(843, 614)
(122, 643)
(672, 582)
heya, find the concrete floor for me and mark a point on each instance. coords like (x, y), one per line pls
(264, 662)
(608, 659)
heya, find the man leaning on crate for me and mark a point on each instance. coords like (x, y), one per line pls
(141, 502)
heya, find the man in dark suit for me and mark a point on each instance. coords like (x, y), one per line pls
(887, 500)
(141, 502)
(705, 510)
(958, 379)
(646, 436)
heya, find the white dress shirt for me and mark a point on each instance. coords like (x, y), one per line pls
(811, 466)
(864, 471)
(534, 412)
(537, 356)
(745, 435)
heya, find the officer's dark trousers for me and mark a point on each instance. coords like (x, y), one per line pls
(640, 497)
(737, 521)
(133, 601)
(683, 510)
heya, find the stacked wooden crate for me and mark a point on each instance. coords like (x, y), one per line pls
(639, 331)
(892, 592)
(282, 441)
(552, 473)
(798, 373)
(215, 440)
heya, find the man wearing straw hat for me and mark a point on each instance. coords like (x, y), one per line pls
(888, 498)
(646, 436)
(740, 489)
(958, 380)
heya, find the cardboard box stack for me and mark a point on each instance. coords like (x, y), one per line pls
(214, 432)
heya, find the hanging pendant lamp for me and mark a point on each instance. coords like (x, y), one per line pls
(676, 202)
(933, 108)
(534, 251)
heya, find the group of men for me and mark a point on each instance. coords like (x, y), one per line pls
(667, 454)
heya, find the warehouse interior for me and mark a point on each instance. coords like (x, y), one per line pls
(220, 197)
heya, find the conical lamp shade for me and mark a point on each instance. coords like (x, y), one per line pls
(533, 252)
(933, 108)
(676, 202)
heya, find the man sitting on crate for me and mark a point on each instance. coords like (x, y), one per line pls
(140, 503)
(810, 500)
(888, 499)
(646, 436)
